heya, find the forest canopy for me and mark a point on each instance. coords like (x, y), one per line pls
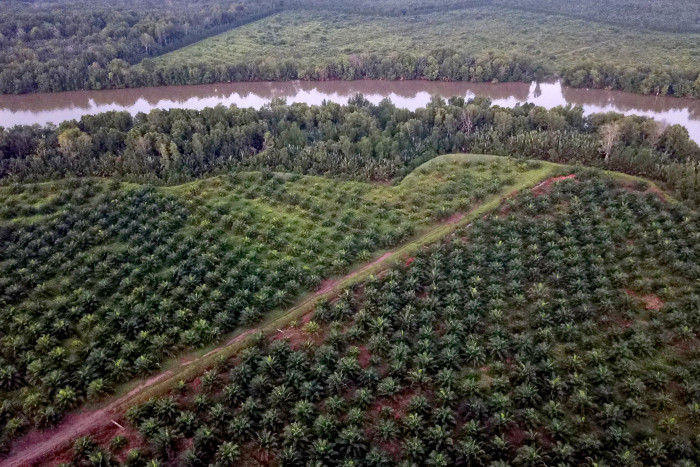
(359, 140)
(71, 44)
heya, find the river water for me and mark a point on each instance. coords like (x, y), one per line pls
(56, 107)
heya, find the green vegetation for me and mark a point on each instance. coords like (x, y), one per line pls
(102, 281)
(61, 45)
(358, 141)
(557, 43)
(517, 311)
(660, 15)
(562, 329)
(638, 46)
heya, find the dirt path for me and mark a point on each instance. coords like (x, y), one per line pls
(328, 285)
(37, 446)
(545, 186)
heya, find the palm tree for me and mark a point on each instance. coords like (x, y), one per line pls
(352, 442)
(187, 423)
(101, 459)
(529, 456)
(471, 452)
(322, 450)
(414, 449)
(165, 443)
(228, 454)
(83, 447)
(267, 442)
(66, 398)
(386, 429)
(438, 459)
(303, 411)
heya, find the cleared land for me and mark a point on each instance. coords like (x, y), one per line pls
(554, 41)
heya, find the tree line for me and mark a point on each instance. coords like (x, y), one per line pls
(358, 140)
(640, 80)
(660, 15)
(73, 45)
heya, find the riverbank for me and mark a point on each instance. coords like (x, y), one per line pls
(29, 109)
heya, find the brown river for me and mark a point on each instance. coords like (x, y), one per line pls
(54, 108)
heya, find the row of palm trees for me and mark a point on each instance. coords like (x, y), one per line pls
(116, 279)
(528, 339)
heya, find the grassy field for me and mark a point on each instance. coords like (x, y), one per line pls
(555, 41)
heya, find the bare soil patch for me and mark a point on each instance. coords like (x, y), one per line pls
(546, 186)
(454, 218)
(398, 403)
(328, 284)
(364, 356)
(650, 301)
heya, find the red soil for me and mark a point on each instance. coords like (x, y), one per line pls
(102, 437)
(650, 301)
(195, 384)
(296, 336)
(364, 356)
(455, 218)
(398, 403)
(36, 446)
(660, 194)
(515, 436)
(410, 260)
(186, 361)
(393, 448)
(545, 186)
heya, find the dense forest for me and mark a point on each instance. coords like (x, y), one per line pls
(561, 330)
(383, 7)
(62, 44)
(359, 140)
(664, 15)
(69, 45)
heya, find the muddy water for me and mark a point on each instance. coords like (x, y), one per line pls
(57, 107)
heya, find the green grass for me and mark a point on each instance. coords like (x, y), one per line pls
(554, 41)
(319, 222)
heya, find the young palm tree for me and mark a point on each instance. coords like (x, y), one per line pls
(228, 454)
